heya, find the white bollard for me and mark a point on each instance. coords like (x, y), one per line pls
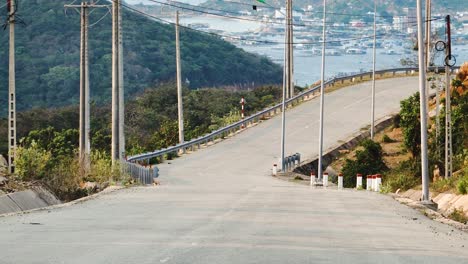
(275, 169)
(325, 179)
(378, 182)
(368, 182)
(373, 183)
(340, 181)
(313, 179)
(359, 181)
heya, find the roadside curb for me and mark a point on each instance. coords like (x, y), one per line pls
(432, 214)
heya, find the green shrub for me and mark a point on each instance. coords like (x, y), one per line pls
(32, 163)
(369, 160)
(459, 216)
(399, 181)
(387, 139)
(444, 185)
(65, 178)
(462, 186)
(396, 121)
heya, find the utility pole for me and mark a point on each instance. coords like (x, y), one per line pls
(179, 82)
(423, 111)
(373, 74)
(118, 137)
(322, 91)
(84, 143)
(448, 108)
(11, 89)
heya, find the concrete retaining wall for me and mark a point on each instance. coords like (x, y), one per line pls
(38, 197)
(446, 202)
(307, 166)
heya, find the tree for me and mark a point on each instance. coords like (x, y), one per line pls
(410, 124)
(369, 160)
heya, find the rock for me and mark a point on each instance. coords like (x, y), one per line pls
(3, 180)
(89, 185)
(3, 165)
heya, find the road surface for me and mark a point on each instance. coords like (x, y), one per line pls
(220, 205)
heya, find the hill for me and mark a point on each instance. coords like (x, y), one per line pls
(47, 53)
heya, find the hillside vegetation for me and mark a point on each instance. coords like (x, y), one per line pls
(47, 150)
(47, 57)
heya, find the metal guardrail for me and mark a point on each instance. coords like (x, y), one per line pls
(145, 175)
(291, 161)
(222, 132)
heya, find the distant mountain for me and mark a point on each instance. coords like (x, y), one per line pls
(48, 45)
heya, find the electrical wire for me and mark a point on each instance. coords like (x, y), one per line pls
(246, 39)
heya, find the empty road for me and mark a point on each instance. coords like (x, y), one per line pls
(220, 205)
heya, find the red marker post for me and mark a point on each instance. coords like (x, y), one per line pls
(242, 102)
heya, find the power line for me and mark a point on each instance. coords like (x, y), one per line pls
(224, 36)
(194, 9)
(221, 15)
(242, 38)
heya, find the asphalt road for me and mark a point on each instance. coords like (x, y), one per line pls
(220, 205)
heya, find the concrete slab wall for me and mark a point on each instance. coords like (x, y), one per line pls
(329, 155)
(26, 200)
(7, 205)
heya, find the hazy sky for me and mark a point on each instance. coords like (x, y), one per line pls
(193, 2)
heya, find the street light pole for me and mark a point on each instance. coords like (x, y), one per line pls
(373, 74)
(290, 51)
(283, 103)
(422, 102)
(322, 91)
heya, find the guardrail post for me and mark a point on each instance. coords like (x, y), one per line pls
(340, 181)
(393, 73)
